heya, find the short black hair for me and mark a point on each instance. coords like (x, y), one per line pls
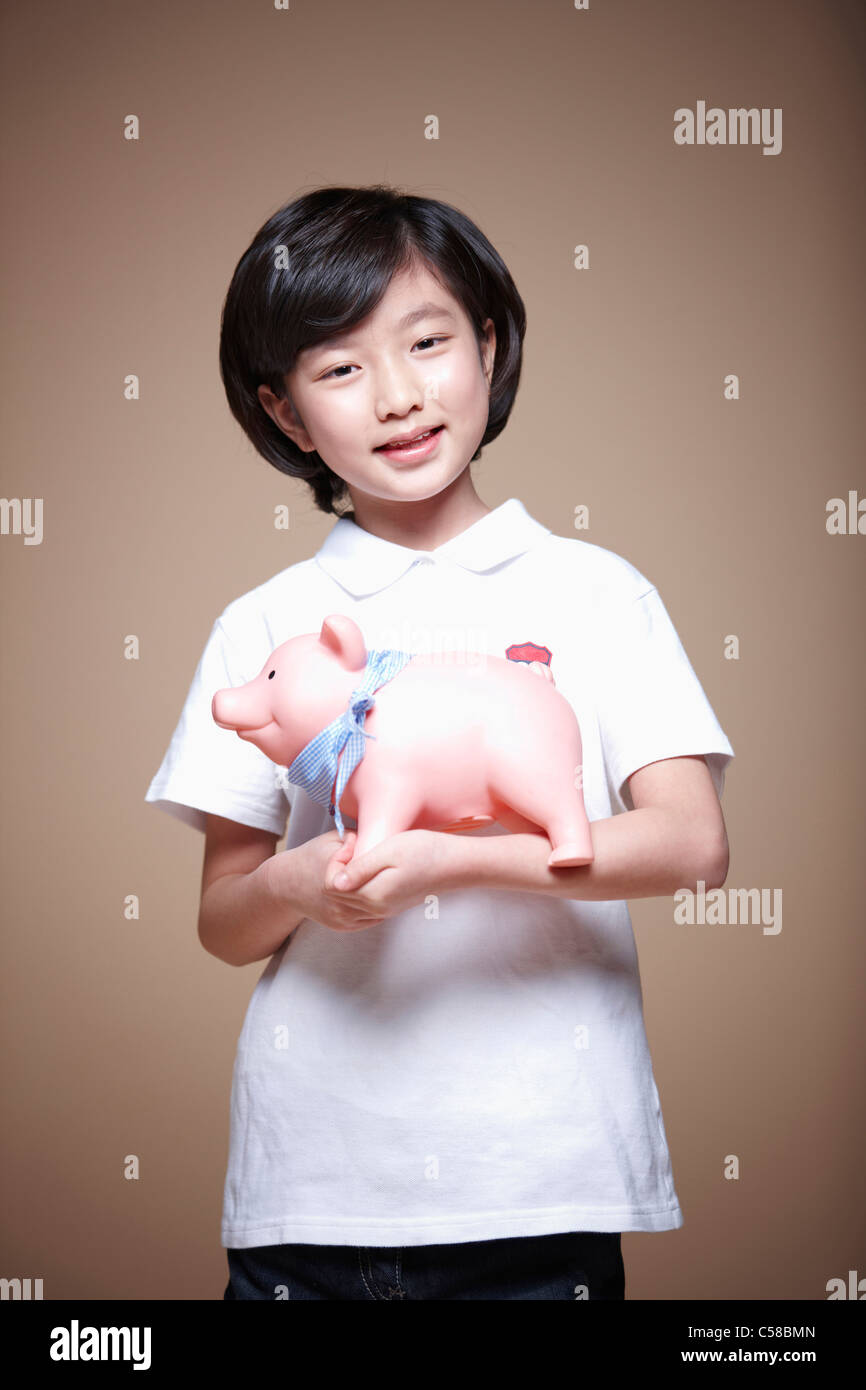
(342, 247)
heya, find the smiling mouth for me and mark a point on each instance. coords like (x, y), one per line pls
(422, 437)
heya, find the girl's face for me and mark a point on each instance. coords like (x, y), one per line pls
(414, 364)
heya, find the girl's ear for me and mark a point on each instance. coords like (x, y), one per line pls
(488, 351)
(284, 415)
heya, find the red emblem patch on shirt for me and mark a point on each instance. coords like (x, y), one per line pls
(529, 651)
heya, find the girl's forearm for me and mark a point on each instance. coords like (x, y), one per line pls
(647, 853)
(240, 919)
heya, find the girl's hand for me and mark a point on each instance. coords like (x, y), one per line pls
(395, 875)
(298, 875)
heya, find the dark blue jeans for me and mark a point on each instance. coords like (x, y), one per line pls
(573, 1265)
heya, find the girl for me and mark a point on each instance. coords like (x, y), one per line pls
(443, 1086)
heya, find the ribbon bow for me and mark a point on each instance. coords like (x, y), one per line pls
(316, 766)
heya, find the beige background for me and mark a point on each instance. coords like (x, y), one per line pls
(556, 129)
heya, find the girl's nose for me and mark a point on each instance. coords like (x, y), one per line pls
(399, 388)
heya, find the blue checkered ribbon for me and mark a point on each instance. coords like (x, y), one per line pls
(315, 767)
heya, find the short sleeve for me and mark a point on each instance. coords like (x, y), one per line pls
(207, 768)
(650, 703)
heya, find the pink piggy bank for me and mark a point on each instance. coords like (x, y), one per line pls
(447, 742)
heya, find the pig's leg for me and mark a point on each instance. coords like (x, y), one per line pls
(554, 804)
(395, 810)
(570, 836)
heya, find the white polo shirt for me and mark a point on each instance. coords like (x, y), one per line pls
(477, 1067)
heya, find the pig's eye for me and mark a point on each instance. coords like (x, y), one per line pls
(271, 676)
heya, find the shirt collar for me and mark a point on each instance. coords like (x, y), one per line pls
(364, 564)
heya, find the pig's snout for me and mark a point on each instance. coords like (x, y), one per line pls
(240, 709)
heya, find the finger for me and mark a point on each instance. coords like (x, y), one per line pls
(355, 874)
(342, 855)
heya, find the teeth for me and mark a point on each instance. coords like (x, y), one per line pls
(403, 444)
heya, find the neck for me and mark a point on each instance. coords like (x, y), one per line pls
(424, 524)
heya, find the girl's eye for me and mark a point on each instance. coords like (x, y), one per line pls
(348, 366)
(335, 369)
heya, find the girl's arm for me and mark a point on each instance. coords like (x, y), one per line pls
(253, 899)
(238, 921)
(674, 838)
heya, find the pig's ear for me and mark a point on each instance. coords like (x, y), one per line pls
(345, 639)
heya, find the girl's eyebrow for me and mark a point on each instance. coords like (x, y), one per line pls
(423, 311)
